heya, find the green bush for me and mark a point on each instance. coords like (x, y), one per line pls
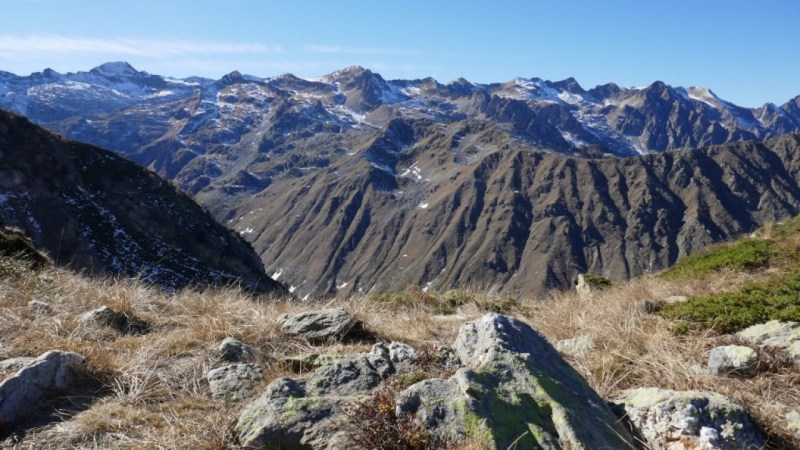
(729, 312)
(748, 254)
(596, 282)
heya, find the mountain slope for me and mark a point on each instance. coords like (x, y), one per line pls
(91, 209)
(512, 220)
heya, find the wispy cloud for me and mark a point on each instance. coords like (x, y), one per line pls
(340, 50)
(59, 45)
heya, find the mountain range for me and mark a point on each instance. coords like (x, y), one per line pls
(350, 182)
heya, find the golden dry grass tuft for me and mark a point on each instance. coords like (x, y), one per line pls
(157, 395)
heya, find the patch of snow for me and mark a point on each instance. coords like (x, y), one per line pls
(342, 286)
(247, 230)
(422, 206)
(292, 288)
(277, 274)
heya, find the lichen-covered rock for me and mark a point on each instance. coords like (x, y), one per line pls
(516, 390)
(777, 334)
(732, 359)
(52, 374)
(675, 420)
(234, 382)
(578, 346)
(297, 413)
(318, 325)
(234, 350)
(401, 353)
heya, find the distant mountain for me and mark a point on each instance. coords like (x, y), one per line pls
(339, 182)
(91, 209)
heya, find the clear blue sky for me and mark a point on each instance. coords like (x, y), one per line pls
(746, 51)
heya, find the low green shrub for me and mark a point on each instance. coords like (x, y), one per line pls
(748, 254)
(729, 312)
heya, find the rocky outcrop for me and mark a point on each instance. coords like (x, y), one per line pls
(318, 325)
(514, 391)
(733, 360)
(234, 382)
(309, 413)
(678, 420)
(51, 375)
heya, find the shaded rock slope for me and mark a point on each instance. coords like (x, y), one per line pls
(90, 209)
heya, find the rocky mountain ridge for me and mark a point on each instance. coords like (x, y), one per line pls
(351, 182)
(91, 209)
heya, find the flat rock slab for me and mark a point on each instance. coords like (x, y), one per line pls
(515, 391)
(776, 334)
(318, 325)
(669, 420)
(733, 359)
(52, 374)
(234, 382)
(309, 413)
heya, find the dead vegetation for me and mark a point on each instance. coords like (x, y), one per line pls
(158, 396)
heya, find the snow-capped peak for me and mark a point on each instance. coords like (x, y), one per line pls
(115, 69)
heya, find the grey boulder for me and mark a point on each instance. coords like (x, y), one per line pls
(234, 382)
(53, 374)
(516, 390)
(671, 420)
(310, 413)
(733, 359)
(318, 325)
(234, 350)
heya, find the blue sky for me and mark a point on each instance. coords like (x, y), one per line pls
(747, 52)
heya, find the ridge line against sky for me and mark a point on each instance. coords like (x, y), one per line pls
(745, 52)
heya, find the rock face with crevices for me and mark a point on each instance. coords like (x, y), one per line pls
(309, 413)
(233, 382)
(515, 390)
(50, 375)
(733, 359)
(678, 420)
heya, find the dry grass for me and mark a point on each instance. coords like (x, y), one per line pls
(158, 396)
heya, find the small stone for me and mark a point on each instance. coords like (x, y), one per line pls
(582, 287)
(733, 359)
(676, 299)
(318, 325)
(793, 422)
(401, 353)
(233, 382)
(115, 319)
(578, 346)
(234, 350)
(40, 307)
